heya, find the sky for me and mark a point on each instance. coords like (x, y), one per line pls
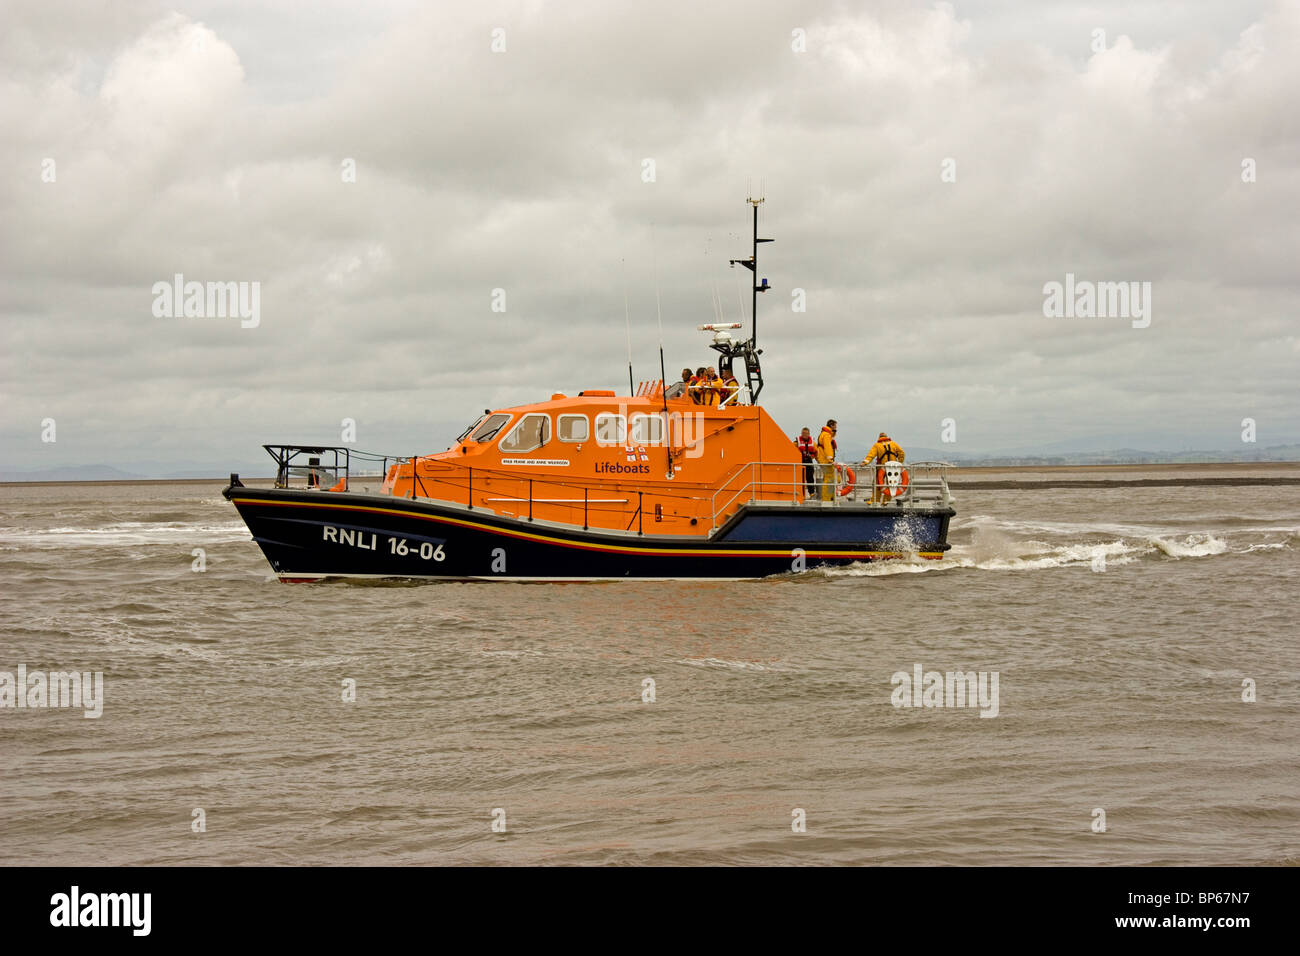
(445, 207)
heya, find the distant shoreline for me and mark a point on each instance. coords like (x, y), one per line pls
(1170, 475)
(1016, 476)
(223, 481)
(1153, 466)
(1238, 481)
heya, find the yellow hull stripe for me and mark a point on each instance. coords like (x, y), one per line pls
(618, 549)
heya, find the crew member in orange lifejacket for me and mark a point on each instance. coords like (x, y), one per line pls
(808, 452)
(687, 377)
(826, 449)
(885, 449)
(704, 387)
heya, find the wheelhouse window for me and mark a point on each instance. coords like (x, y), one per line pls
(611, 429)
(532, 432)
(573, 428)
(647, 430)
(474, 424)
(487, 431)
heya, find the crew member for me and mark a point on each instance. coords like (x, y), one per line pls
(717, 389)
(699, 386)
(808, 452)
(731, 385)
(885, 449)
(826, 449)
(686, 382)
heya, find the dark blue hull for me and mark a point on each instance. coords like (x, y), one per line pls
(311, 534)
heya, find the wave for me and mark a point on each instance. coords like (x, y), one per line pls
(1219, 526)
(125, 533)
(770, 665)
(995, 545)
(981, 541)
(1192, 546)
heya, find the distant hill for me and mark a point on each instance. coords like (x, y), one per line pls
(1119, 456)
(140, 470)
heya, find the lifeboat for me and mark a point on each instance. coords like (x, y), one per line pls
(597, 485)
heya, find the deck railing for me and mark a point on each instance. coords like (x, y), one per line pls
(327, 467)
(804, 483)
(336, 468)
(330, 468)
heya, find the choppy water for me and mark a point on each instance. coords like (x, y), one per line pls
(1121, 623)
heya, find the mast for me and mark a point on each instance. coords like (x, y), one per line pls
(749, 350)
(663, 375)
(753, 296)
(627, 318)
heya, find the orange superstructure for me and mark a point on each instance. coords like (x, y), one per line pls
(604, 461)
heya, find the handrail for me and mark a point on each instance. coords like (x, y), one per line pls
(287, 459)
(909, 498)
(427, 468)
(415, 473)
(454, 473)
(736, 494)
(748, 483)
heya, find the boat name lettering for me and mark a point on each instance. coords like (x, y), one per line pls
(546, 462)
(369, 541)
(365, 540)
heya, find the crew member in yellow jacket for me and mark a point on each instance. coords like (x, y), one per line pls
(885, 449)
(717, 388)
(826, 449)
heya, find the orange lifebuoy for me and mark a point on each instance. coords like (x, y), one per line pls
(887, 491)
(341, 486)
(850, 478)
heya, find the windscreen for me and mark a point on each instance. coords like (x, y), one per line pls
(487, 431)
(461, 436)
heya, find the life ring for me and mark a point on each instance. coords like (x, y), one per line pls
(887, 490)
(341, 486)
(846, 474)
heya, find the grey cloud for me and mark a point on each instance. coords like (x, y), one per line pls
(209, 142)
